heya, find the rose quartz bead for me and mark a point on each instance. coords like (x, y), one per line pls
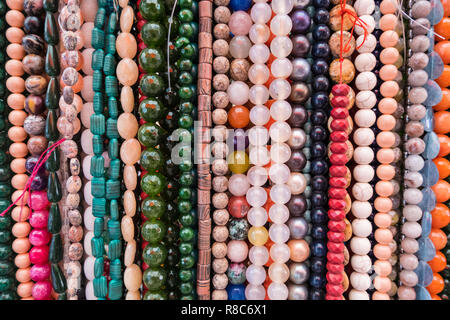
(39, 237)
(40, 272)
(240, 23)
(259, 33)
(237, 250)
(258, 255)
(261, 12)
(38, 200)
(42, 290)
(39, 254)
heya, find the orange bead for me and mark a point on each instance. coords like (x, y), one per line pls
(439, 238)
(238, 117)
(443, 28)
(442, 122)
(446, 5)
(435, 297)
(268, 245)
(444, 79)
(437, 285)
(442, 48)
(444, 104)
(443, 166)
(441, 216)
(444, 145)
(438, 263)
(441, 190)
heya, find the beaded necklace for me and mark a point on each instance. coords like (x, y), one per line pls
(105, 192)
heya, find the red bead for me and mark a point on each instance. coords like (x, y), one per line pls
(338, 136)
(339, 125)
(336, 215)
(336, 258)
(338, 147)
(336, 204)
(339, 113)
(338, 182)
(340, 89)
(335, 290)
(143, 195)
(335, 247)
(339, 102)
(334, 278)
(336, 236)
(335, 268)
(332, 298)
(337, 193)
(238, 206)
(338, 171)
(338, 159)
(336, 226)
(141, 46)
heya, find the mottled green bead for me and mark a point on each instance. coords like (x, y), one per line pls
(152, 85)
(55, 254)
(112, 189)
(186, 219)
(185, 15)
(153, 208)
(185, 78)
(54, 219)
(152, 109)
(113, 107)
(100, 18)
(152, 60)
(186, 179)
(114, 229)
(185, 193)
(181, 42)
(186, 248)
(3, 160)
(184, 64)
(189, 51)
(153, 230)
(98, 56)
(98, 187)
(98, 103)
(186, 275)
(5, 251)
(154, 34)
(100, 287)
(54, 191)
(115, 289)
(8, 295)
(186, 287)
(4, 204)
(114, 249)
(5, 222)
(112, 23)
(152, 159)
(114, 209)
(150, 134)
(153, 183)
(187, 262)
(184, 206)
(152, 10)
(99, 224)
(109, 65)
(6, 267)
(155, 295)
(110, 44)
(187, 234)
(5, 173)
(154, 278)
(154, 254)
(6, 283)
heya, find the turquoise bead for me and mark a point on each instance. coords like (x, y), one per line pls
(100, 287)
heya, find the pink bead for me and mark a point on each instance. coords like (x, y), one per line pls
(42, 290)
(237, 250)
(39, 254)
(39, 237)
(40, 272)
(240, 23)
(39, 219)
(38, 200)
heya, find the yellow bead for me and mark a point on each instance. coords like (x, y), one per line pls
(238, 162)
(258, 236)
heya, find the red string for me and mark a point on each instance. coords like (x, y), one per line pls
(42, 159)
(356, 21)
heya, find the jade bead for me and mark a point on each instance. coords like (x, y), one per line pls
(154, 254)
(184, 64)
(153, 183)
(186, 107)
(153, 34)
(185, 78)
(187, 262)
(152, 10)
(152, 109)
(186, 4)
(152, 85)
(186, 93)
(152, 159)
(5, 222)
(154, 278)
(185, 15)
(186, 179)
(185, 193)
(155, 295)
(150, 134)
(187, 219)
(186, 248)
(186, 275)
(153, 208)
(152, 60)
(186, 165)
(187, 234)
(187, 30)
(189, 51)
(153, 230)
(184, 206)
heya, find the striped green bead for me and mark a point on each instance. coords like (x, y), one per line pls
(97, 166)
(99, 224)
(97, 144)
(115, 269)
(114, 209)
(98, 102)
(115, 289)
(97, 246)
(100, 18)
(98, 38)
(114, 169)
(97, 81)
(110, 44)
(98, 187)
(98, 124)
(112, 189)
(97, 59)
(113, 107)
(99, 267)
(111, 87)
(114, 229)
(99, 207)
(100, 287)
(114, 249)
(112, 23)
(113, 149)
(109, 66)
(111, 129)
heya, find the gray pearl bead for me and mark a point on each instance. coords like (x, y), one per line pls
(301, 4)
(297, 139)
(298, 272)
(299, 93)
(297, 292)
(298, 227)
(420, 43)
(420, 26)
(301, 69)
(418, 78)
(421, 9)
(418, 60)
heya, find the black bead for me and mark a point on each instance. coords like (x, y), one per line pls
(321, 3)
(320, 50)
(319, 167)
(298, 116)
(321, 32)
(319, 100)
(321, 83)
(319, 182)
(318, 215)
(322, 16)
(319, 117)
(297, 205)
(318, 199)
(297, 161)
(320, 66)
(318, 133)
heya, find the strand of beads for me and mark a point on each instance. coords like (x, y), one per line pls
(219, 167)
(130, 151)
(340, 125)
(415, 246)
(320, 54)
(8, 286)
(439, 286)
(35, 124)
(258, 137)
(363, 172)
(18, 149)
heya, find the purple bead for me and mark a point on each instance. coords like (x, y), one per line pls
(240, 139)
(39, 182)
(30, 164)
(300, 45)
(300, 21)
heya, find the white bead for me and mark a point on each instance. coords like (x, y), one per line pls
(360, 281)
(358, 295)
(258, 136)
(361, 227)
(89, 291)
(280, 252)
(281, 25)
(88, 219)
(360, 246)
(297, 183)
(279, 233)
(277, 291)
(259, 115)
(368, 45)
(238, 184)
(414, 162)
(258, 73)
(261, 12)
(361, 263)
(280, 193)
(363, 173)
(280, 110)
(87, 242)
(279, 213)
(369, 25)
(362, 191)
(365, 118)
(238, 93)
(280, 89)
(279, 173)
(366, 81)
(257, 216)
(256, 196)
(258, 94)
(281, 68)
(281, 46)
(280, 131)
(363, 136)
(365, 62)
(88, 269)
(280, 152)
(366, 99)
(363, 155)
(361, 209)
(87, 193)
(259, 53)
(255, 274)
(259, 155)
(282, 6)
(363, 7)
(258, 255)
(253, 292)
(257, 176)
(259, 33)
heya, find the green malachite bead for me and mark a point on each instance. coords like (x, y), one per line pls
(186, 248)
(113, 107)
(111, 129)
(5, 174)
(5, 251)
(51, 32)
(99, 224)
(97, 166)
(100, 18)
(52, 67)
(51, 5)
(97, 247)
(153, 208)
(54, 192)
(115, 289)
(54, 219)
(114, 249)
(154, 231)
(6, 267)
(114, 209)
(97, 59)
(5, 222)
(114, 229)
(112, 23)
(51, 129)
(2, 124)
(152, 10)
(154, 34)
(98, 187)
(114, 169)
(97, 144)
(152, 159)
(5, 190)
(52, 94)
(98, 103)
(100, 287)
(184, 64)
(98, 125)
(2, 106)
(152, 85)
(99, 207)
(6, 283)
(97, 80)
(152, 60)
(112, 189)
(110, 44)
(109, 65)
(153, 183)
(115, 269)
(55, 249)
(111, 87)
(187, 234)
(58, 279)
(185, 15)
(98, 38)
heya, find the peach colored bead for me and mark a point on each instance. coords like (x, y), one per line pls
(21, 245)
(17, 134)
(24, 289)
(387, 105)
(14, 35)
(382, 204)
(76, 125)
(14, 68)
(383, 236)
(18, 165)
(388, 39)
(299, 250)
(382, 251)
(17, 117)
(14, 4)
(15, 84)
(385, 155)
(15, 51)
(388, 22)
(388, 72)
(21, 229)
(20, 213)
(385, 139)
(15, 18)
(23, 275)
(388, 6)
(22, 260)
(383, 220)
(382, 284)
(380, 296)
(18, 149)
(389, 55)
(384, 188)
(386, 122)
(19, 181)
(16, 101)
(389, 89)
(382, 268)
(17, 194)
(385, 172)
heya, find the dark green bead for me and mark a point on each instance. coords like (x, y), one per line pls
(194, 26)
(111, 129)
(154, 34)
(185, 193)
(2, 25)
(186, 287)
(185, 78)
(111, 86)
(98, 39)
(115, 289)
(187, 234)
(186, 4)
(98, 103)
(153, 231)
(112, 189)
(153, 183)
(152, 10)
(114, 169)
(6, 283)
(154, 278)
(2, 72)
(5, 173)
(185, 15)
(5, 191)
(51, 5)
(58, 279)
(97, 166)
(54, 219)
(152, 85)
(97, 60)
(170, 192)
(4, 204)
(181, 42)
(155, 295)
(186, 219)
(172, 234)
(100, 287)
(109, 65)
(184, 206)
(5, 251)
(100, 18)
(99, 224)
(186, 179)
(112, 23)
(114, 249)
(152, 159)
(153, 208)
(115, 271)
(186, 93)
(186, 165)
(3, 160)
(150, 134)
(187, 262)
(52, 94)
(97, 80)
(186, 275)
(186, 248)
(55, 249)
(51, 32)
(170, 168)
(2, 106)
(5, 222)
(152, 109)
(152, 60)
(189, 51)
(184, 64)
(6, 267)
(51, 129)
(54, 191)
(114, 229)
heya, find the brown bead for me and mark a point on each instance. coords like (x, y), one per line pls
(221, 65)
(348, 71)
(76, 233)
(37, 144)
(221, 31)
(239, 69)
